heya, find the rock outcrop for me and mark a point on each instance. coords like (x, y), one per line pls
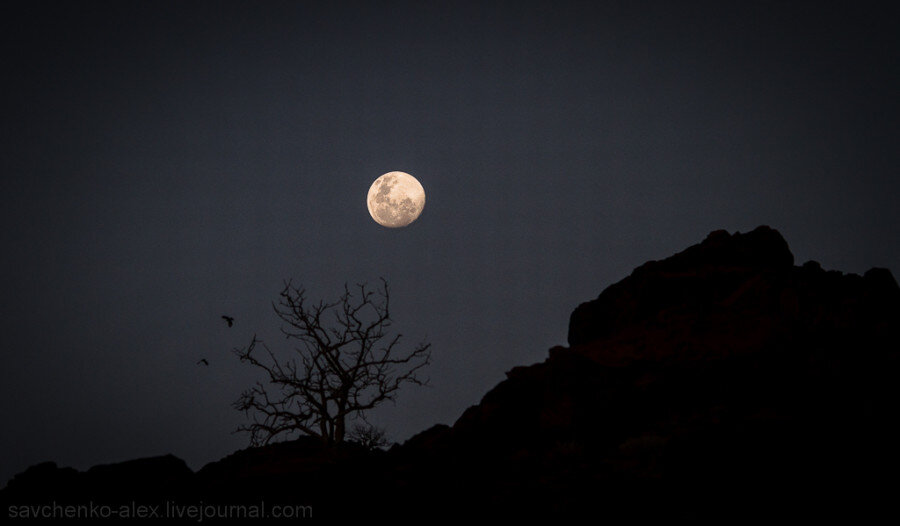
(720, 376)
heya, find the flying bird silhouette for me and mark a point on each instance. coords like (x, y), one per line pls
(203, 361)
(228, 319)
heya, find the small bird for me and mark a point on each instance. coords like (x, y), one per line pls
(203, 361)
(229, 320)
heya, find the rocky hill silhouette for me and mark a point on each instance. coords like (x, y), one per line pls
(723, 383)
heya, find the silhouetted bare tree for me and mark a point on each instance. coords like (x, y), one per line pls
(346, 363)
(367, 435)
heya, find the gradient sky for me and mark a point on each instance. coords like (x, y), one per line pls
(164, 163)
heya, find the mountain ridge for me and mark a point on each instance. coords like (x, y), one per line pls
(724, 371)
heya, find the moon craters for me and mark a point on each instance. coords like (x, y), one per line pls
(396, 199)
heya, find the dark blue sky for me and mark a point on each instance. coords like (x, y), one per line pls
(164, 163)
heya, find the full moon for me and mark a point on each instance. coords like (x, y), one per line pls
(395, 199)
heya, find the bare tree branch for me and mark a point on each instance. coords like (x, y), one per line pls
(346, 363)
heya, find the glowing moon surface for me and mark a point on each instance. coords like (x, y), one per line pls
(395, 199)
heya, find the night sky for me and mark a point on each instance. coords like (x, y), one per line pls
(165, 163)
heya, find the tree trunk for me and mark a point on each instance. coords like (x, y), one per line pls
(340, 417)
(339, 429)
